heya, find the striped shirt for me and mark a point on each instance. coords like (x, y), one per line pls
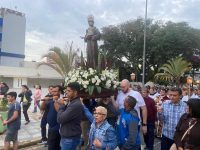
(170, 116)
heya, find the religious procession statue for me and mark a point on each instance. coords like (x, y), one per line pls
(91, 37)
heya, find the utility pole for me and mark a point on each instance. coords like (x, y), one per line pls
(144, 48)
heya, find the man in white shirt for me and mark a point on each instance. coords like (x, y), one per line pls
(191, 94)
(127, 91)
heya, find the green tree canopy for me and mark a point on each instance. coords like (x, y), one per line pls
(164, 41)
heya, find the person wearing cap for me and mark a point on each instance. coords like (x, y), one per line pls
(69, 117)
(128, 126)
(169, 113)
(91, 37)
(187, 133)
(102, 135)
(26, 101)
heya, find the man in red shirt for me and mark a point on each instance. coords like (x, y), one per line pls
(151, 118)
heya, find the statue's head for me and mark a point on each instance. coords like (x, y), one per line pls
(91, 20)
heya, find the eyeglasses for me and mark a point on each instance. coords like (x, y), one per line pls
(96, 113)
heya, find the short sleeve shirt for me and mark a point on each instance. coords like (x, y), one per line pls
(140, 101)
(14, 125)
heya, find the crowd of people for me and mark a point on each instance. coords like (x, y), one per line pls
(131, 118)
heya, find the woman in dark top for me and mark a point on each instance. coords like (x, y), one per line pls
(26, 101)
(187, 133)
(3, 88)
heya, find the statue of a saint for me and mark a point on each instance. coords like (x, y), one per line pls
(91, 37)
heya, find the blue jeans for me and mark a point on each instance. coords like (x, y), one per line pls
(36, 104)
(69, 143)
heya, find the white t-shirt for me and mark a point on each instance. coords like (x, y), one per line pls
(186, 98)
(121, 97)
(154, 95)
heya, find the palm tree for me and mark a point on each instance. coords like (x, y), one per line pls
(60, 60)
(173, 70)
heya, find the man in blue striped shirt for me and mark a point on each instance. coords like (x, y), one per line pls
(169, 114)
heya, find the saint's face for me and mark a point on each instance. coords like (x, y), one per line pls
(91, 23)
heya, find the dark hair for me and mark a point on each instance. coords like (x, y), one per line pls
(25, 86)
(4, 84)
(39, 86)
(74, 86)
(164, 89)
(148, 87)
(59, 87)
(50, 86)
(176, 89)
(194, 105)
(13, 94)
(132, 101)
(145, 89)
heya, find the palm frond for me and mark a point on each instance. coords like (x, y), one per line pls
(60, 60)
(173, 70)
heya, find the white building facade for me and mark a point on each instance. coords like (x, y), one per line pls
(13, 69)
(12, 37)
(29, 74)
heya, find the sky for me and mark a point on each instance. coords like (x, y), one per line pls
(52, 23)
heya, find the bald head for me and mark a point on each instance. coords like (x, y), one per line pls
(125, 85)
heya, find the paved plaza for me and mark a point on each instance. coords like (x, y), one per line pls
(28, 133)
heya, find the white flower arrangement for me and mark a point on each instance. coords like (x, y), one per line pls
(91, 80)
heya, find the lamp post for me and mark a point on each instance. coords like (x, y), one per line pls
(144, 48)
(189, 82)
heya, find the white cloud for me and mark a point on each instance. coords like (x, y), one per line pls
(38, 43)
(53, 23)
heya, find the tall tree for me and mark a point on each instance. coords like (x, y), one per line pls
(164, 41)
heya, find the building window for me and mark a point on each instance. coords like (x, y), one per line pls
(17, 82)
(1, 21)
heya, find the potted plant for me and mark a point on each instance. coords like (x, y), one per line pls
(3, 112)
